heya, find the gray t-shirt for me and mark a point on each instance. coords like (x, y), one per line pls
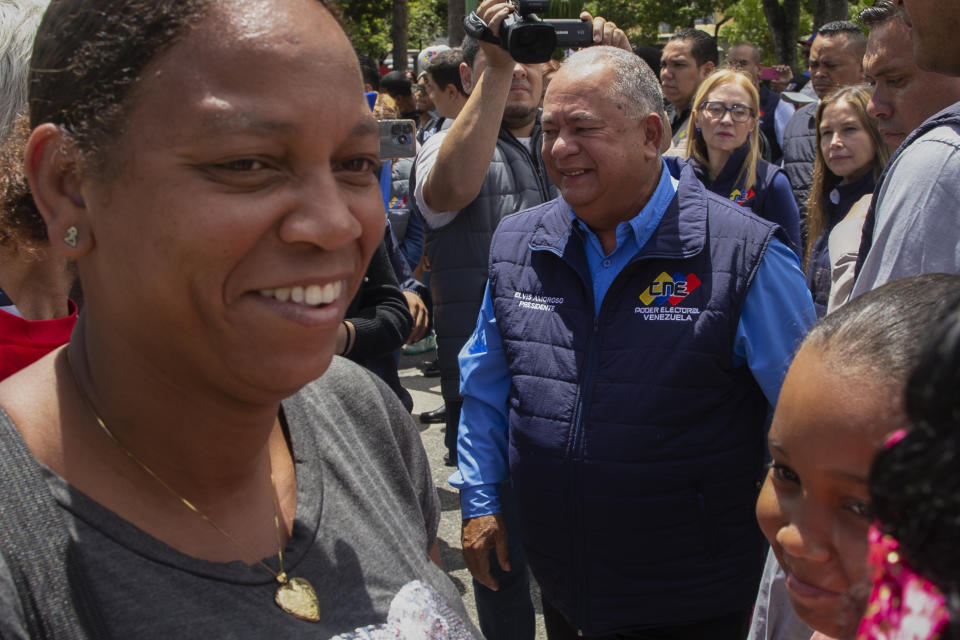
(367, 513)
(917, 225)
(773, 616)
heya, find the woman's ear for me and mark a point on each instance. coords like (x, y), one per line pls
(52, 164)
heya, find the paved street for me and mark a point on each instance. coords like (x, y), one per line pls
(426, 396)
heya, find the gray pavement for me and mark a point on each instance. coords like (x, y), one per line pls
(426, 397)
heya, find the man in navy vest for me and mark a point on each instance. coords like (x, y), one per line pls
(912, 226)
(632, 335)
(486, 166)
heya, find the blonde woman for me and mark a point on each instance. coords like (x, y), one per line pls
(850, 156)
(723, 146)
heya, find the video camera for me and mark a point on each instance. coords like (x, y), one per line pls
(528, 38)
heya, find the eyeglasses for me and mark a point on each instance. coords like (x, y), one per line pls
(716, 110)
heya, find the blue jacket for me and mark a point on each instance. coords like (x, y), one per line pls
(635, 445)
(771, 196)
(819, 269)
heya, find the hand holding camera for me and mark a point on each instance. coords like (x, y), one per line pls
(515, 27)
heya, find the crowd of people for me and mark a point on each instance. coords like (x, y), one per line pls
(697, 329)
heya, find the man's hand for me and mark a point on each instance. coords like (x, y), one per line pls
(421, 317)
(494, 12)
(608, 33)
(477, 537)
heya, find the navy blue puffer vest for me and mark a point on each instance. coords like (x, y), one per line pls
(635, 445)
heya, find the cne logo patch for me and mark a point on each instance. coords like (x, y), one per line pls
(741, 198)
(661, 298)
(667, 289)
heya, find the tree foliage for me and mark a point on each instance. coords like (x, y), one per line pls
(642, 18)
(369, 24)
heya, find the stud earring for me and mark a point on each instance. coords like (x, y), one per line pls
(71, 238)
(699, 132)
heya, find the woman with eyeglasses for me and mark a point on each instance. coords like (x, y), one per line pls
(723, 146)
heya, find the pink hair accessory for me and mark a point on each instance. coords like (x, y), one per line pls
(903, 605)
(894, 438)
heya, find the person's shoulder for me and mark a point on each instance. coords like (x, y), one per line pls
(927, 157)
(947, 134)
(432, 144)
(529, 219)
(345, 388)
(769, 173)
(722, 211)
(353, 403)
(544, 223)
(802, 117)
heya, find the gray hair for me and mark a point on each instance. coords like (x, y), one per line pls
(634, 81)
(18, 26)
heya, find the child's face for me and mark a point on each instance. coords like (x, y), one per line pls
(814, 505)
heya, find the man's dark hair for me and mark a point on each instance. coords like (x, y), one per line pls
(703, 46)
(469, 48)
(650, 55)
(370, 71)
(396, 83)
(754, 49)
(880, 13)
(88, 57)
(843, 28)
(444, 69)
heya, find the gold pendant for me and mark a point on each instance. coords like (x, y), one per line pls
(297, 597)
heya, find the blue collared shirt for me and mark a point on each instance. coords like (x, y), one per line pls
(631, 236)
(777, 313)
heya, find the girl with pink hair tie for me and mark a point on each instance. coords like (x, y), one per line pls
(915, 492)
(841, 399)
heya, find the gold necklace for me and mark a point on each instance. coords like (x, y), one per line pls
(296, 596)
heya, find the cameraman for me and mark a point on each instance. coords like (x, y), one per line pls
(487, 165)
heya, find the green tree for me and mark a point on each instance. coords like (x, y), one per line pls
(428, 22)
(369, 24)
(749, 24)
(642, 18)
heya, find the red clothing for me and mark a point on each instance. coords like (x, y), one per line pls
(22, 342)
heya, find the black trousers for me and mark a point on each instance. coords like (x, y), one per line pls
(732, 626)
